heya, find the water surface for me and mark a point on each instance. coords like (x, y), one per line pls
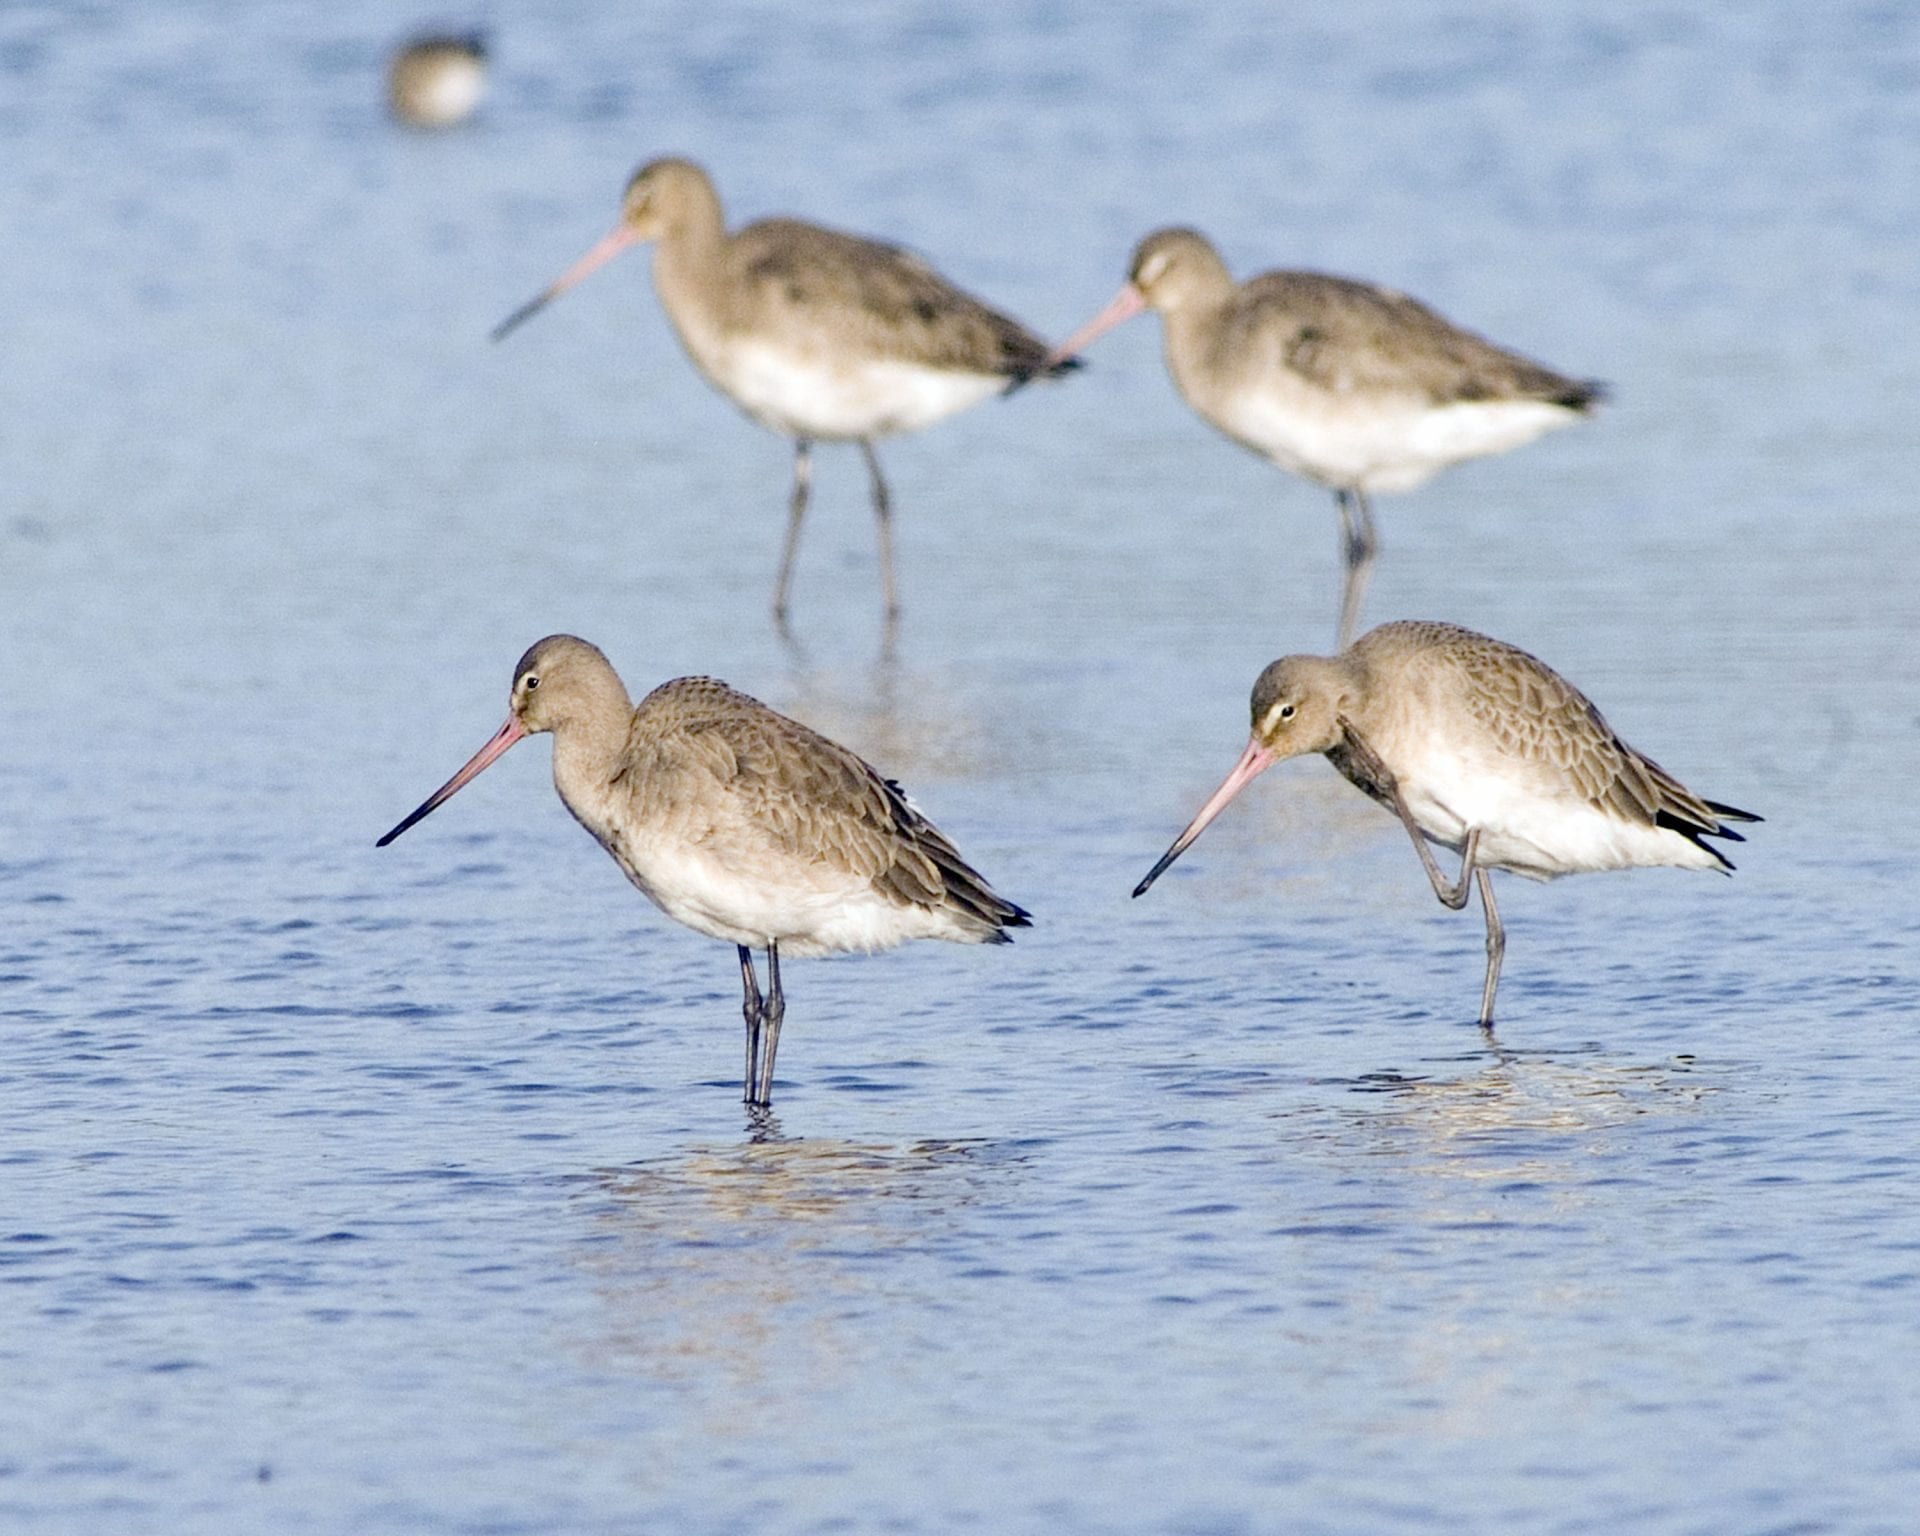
(410, 1190)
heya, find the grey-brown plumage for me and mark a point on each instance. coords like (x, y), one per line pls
(841, 291)
(747, 782)
(1354, 386)
(815, 334)
(1350, 337)
(1482, 748)
(437, 79)
(740, 823)
(1540, 727)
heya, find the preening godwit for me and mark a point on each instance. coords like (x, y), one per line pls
(817, 335)
(1354, 386)
(740, 823)
(1481, 748)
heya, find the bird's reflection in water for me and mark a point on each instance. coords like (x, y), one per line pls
(911, 722)
(921, 715)
(1525, 1116)
(744, 1267)
(1466, 1237)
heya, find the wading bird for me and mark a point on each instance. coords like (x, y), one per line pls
(815, 334)
(1481, 748)
(438, 80)
(740, 823)
(1354, 386)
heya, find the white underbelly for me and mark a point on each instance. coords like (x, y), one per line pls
(846, 398)
(1537, 835)
(806, 909)
(1386, 445)
(445, 94)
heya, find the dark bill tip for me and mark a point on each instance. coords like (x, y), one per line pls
(520, 316)
(1157, 871)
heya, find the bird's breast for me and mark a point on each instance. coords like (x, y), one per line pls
(810, 907)
(1531, 819)
(835, 392)
(1369, 437)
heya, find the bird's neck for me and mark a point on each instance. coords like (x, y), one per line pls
(688, 261)
(588, 751)
(1194, 334)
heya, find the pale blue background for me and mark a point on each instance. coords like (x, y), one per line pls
(409, 1191)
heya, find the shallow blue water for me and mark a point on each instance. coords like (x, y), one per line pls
(409, 1190)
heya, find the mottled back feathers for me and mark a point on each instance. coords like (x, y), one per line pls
(887, 301)
(1351, 337)
(697, 740)
(1535, 714)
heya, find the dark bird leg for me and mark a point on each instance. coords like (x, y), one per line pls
(1496, 945)
(774, 1012)
(1380, 783)
(755, 1011)
(1359, 543)
(1454, 895)
(796, 512)
(883, 518)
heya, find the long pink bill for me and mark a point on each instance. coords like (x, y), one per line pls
(503, 738)
(610, 246)
(1255, 761)
(1127, 303)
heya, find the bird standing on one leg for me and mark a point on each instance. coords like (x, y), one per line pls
(740, 823)
(1481, 748)
(817, 335)
(1354, 386)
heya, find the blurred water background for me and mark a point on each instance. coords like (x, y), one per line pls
(410, 1190)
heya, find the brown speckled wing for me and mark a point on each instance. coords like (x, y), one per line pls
(816, 801)
(799, 278)
(1348, 337)
(1534, 712)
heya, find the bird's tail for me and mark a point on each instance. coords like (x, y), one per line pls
(1026, 373)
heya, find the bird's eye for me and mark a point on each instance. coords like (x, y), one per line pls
(533, 682)
(1286, 711)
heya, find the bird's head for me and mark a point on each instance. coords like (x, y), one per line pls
(1176, 267)
(1296, 706)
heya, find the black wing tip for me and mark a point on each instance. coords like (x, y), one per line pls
(1697, 833)
(475, 40)
(1698, 837)
(1730, 813)
(1586, 395)
(1020, 375)
(1013, 917)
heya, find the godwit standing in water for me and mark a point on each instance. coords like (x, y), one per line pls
(436, 81)
(1481, 748)
(815, 334)
(1351, 385)
(740, 823)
